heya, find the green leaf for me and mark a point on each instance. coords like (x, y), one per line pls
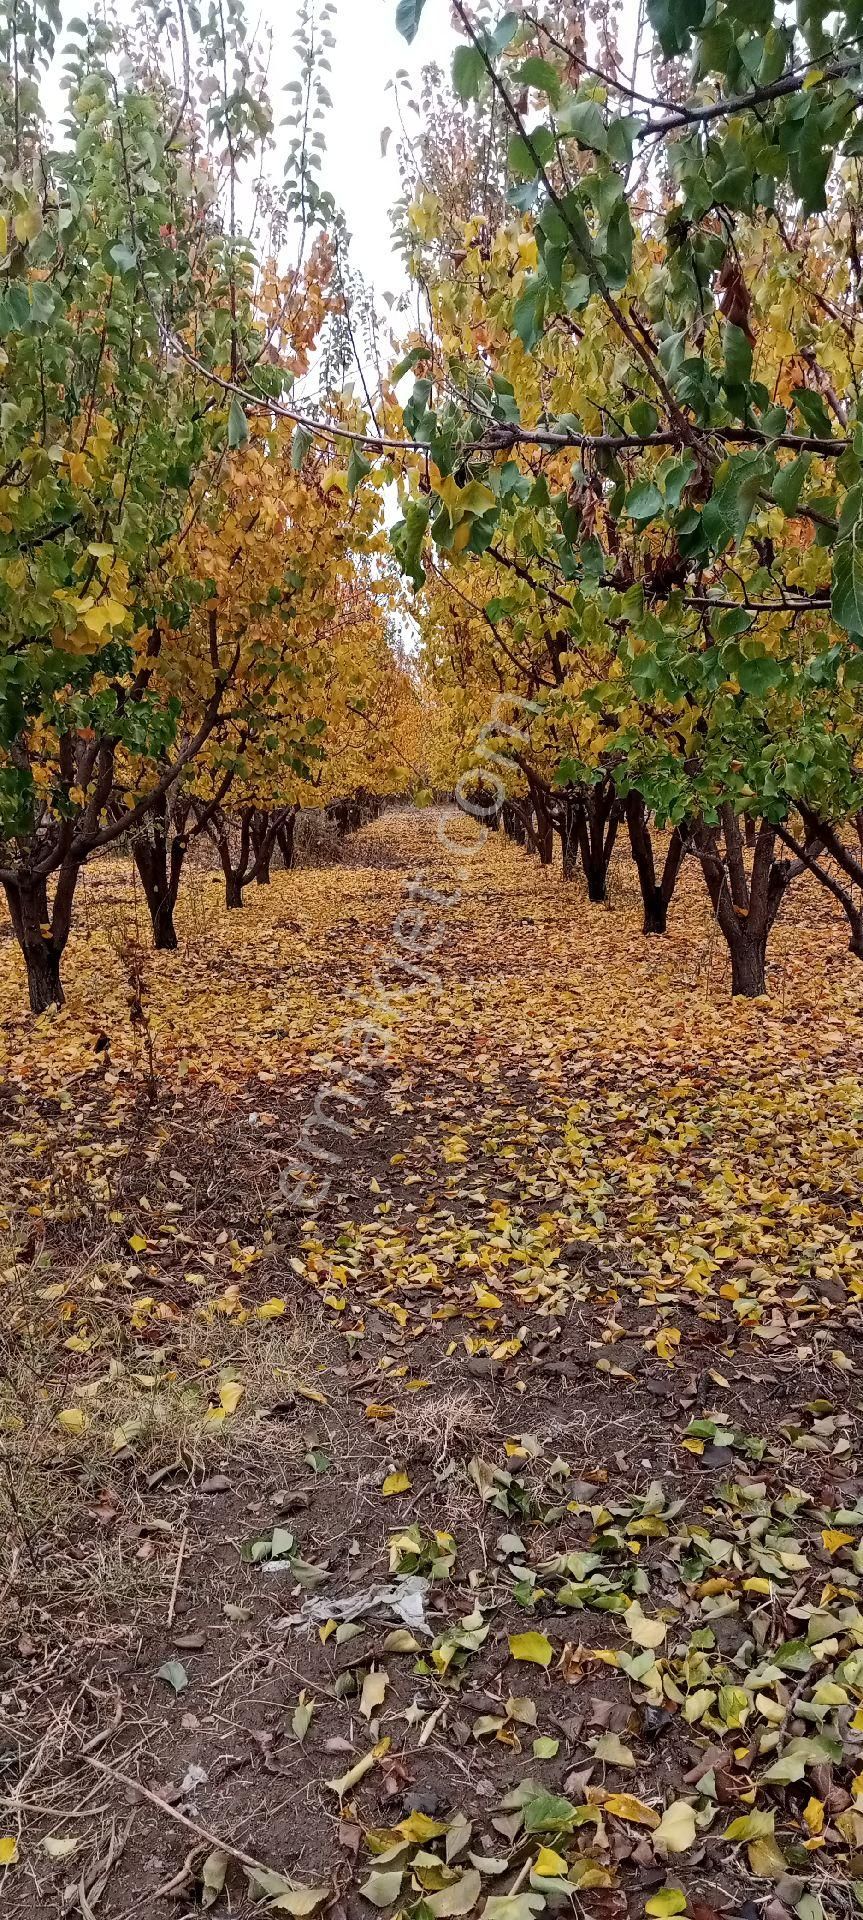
(846, 599)
(174, 1674)
(238, 426)
(814, 411)
(125, 257)
(675, 21)
(358, 467)
(468, 72)
(643, 417)
(751, 1826)
(408, 16)
(643, 501)
(541, 75)
(758, 675)
(505, 31)
(407, 537)
(725, 517)
(528, 313)
(300, 445)
(788, 483)
(583, 120)
(738, 356)
(547, 1812)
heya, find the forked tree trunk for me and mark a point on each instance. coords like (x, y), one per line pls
(151, 861)
(543, 832)
(656, 895)
(598, 821)
(42, 932)
(567, 827)
(263, 841)
(745, 906)
(286, 835)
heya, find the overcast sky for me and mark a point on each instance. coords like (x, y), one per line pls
(368, 53)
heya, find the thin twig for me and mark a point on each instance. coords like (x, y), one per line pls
(173, 1813)
(177, 1571)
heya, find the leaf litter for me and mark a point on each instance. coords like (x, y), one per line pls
(545, 1429)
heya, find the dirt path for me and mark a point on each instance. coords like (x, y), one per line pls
(514, 1487)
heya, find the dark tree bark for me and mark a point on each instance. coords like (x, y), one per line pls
(745, 906)
(263, 842)
(249, 863)
(599, 815)
(514, 822)
(656, 894)
(543, 830)
(286, 836)
(159, 851)
(566, 823)
(42, 931)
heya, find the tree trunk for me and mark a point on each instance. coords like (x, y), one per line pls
(655, 910)
(233, 889)
(748, 966)
(263, 834)
(41, 944)
(568, 830)
(598, 820)
(286, 837)
(544, 834)
(656, 895)
(151, 860)
(745, 905)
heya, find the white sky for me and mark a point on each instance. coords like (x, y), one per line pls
(368, 53)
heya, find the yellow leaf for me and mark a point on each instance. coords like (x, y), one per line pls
(813, 1814)
(72, 1420)
(271, 1310)
(355, 1774)
(419, 1827)
(645, 1633)
(833, 1539)
(534, 1647)
(137, 1243)
(8, 1851)
(317, 1398)
(549, 1865)
(396, 1483)
(230, 1395)
(484, 1296)
(374, 1692)
(676, 1830)
(667, 1342)
(626, 1807)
